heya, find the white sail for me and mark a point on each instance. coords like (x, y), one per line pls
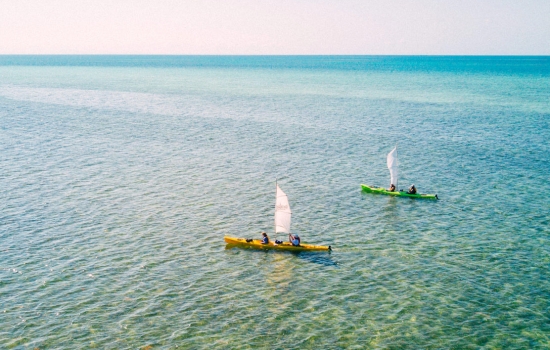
(282, 212)
(392, 165)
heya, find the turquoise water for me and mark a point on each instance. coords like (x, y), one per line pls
(120, 176)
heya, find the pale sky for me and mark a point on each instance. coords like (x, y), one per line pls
(282, 27)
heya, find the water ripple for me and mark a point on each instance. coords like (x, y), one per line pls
(114, 199)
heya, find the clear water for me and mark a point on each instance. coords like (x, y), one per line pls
(121, 175)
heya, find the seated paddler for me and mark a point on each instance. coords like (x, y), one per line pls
(265, 239)
(412, 190)
(294, 239)
(392, 188)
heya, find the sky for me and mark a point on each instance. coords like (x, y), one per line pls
(276, 27)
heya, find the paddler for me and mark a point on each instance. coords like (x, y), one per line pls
(294, 239)
(392, 188)
(265, 239)
(412, 190)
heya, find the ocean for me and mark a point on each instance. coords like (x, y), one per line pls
(120, 176)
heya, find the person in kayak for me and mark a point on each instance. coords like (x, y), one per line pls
(412, 190)
(392, 188)
(294, 239)
(265, 239)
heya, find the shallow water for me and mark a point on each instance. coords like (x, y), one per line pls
(121, 175)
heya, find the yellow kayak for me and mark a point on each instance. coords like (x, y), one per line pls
(256, 243)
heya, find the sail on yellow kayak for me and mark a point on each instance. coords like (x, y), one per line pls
(282, 225)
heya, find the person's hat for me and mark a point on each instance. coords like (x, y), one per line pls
(296, 235)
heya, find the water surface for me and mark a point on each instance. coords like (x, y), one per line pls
(121, 175)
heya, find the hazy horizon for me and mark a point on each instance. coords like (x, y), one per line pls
(285, 27)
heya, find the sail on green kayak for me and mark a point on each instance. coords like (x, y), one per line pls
(393, 168)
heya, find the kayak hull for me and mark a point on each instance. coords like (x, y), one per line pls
(380, 190)
(257, 244)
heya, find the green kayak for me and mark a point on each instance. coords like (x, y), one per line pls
(380, 190)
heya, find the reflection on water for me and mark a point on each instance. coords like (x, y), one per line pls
(321, 258)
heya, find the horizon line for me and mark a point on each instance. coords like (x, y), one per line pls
(278, 55)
